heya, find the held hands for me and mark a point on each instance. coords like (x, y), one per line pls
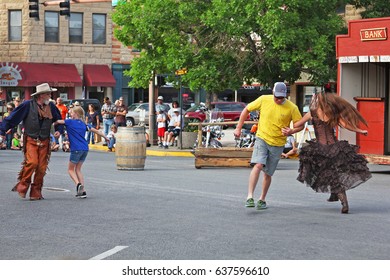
(286, 131)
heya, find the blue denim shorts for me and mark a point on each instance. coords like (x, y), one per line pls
(267, 155)
(77, 156)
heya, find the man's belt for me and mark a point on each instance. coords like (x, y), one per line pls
(38, 141)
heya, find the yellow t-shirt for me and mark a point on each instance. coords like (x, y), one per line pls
(273, 118)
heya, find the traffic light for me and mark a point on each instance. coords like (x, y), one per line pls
(34, 9)
(66, 6)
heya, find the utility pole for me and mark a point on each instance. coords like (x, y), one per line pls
(152, 109)
(180, 73)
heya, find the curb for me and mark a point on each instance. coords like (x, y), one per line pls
(150, 152)
(169, 154)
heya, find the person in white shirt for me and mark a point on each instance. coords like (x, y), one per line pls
(171, 121)
(176, 120)
(112, 137)
(161, 124)
(290, 148)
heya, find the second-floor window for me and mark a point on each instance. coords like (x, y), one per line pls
(15, 26)
(76, 28)
(52, 27)
(99, 29)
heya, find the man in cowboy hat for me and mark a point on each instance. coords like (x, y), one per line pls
(38, 115)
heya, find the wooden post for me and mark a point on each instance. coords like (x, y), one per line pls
(200, 135)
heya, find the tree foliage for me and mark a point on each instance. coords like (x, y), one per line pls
(225, 42)
(372, 8)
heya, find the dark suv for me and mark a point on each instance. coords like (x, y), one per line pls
(85, 102)
(231, 111)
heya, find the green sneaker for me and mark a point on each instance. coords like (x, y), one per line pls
(250, 203)
(261, 205)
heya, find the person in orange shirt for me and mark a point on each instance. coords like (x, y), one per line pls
(64, 112)
(63, 109)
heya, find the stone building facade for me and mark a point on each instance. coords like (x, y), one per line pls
(121, 60)
(67, 58)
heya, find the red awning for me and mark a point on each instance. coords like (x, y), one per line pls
(57, 75)
(98, 75)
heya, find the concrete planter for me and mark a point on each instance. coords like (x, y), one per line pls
(188, 139)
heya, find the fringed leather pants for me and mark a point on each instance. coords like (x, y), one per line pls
(36, 160)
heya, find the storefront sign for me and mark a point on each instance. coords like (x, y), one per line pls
(348, 59)
(364, 58)
(385, 58)
(374, 58)
(373, 34)
(181, 71)
(9, 75)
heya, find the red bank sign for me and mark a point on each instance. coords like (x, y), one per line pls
(373, 34)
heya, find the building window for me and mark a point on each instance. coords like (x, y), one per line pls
(51, 27)
(76, 28)
(15, 26)
(99, 29)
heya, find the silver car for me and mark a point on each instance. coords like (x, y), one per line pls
(134, 110)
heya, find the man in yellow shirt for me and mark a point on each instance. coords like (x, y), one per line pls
(276, 114)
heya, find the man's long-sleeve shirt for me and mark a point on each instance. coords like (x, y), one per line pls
(21, 112)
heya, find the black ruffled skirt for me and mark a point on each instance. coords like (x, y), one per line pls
(332, 168)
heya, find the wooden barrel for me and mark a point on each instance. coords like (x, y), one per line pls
(130, 148)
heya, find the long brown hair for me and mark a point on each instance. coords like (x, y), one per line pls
(336, 108)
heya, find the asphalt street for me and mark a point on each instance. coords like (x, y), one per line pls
(172, 211)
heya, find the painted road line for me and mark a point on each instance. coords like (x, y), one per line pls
(108, 253)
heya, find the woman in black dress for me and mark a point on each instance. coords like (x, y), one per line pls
(326, 164)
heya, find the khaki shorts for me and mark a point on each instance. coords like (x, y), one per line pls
(267, 155)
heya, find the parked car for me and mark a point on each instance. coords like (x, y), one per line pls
(133, 113)
(231, 111)
(84, 103)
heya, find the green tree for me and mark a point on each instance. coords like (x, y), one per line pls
(372, 8)
(224, 42)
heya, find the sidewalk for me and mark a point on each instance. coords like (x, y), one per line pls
(152, 151)
(173, 151)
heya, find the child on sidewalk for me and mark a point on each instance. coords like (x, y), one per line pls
(76, 128)
(161, 121)
(112, 137)
(15, 145)
(65, 143)
(54, 146)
